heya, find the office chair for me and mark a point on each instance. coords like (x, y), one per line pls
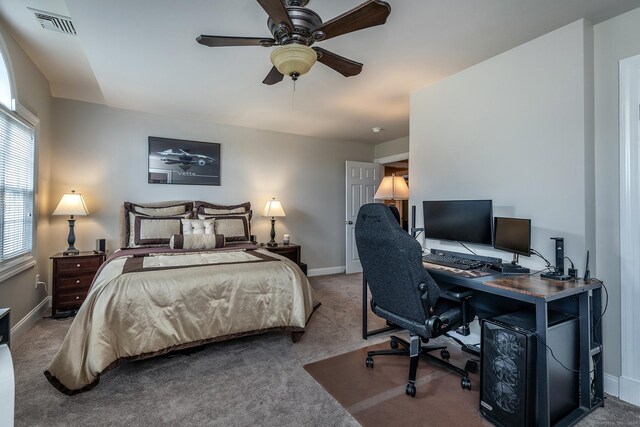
(404, 294)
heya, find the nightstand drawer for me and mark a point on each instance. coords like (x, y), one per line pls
(78, 265)
(72, 298)
(67, 285)
(291, 251)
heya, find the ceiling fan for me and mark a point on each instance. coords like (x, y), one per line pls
(295, 29)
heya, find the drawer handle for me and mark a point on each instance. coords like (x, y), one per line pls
(77, 281)
(78, 265)
(77, 297)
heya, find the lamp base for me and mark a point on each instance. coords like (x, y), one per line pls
(71, 240)
(272, 244)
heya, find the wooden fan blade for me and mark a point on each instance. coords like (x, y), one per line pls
(344, 66)
(273, 77)
(368, 14)
(218, 41)
(276, 11)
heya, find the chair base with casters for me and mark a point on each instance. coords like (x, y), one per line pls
(415, 350)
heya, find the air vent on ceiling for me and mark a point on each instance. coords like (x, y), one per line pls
(53, 22)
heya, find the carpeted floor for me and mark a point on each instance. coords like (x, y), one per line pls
(256, 380)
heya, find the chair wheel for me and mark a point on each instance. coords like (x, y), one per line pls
(411, 390)
(471, 366)
(369, 362)
(445, 354)
(465, 382)
(393, 344)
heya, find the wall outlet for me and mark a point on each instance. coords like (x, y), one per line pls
(37, 280)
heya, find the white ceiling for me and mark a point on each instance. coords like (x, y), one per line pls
(142, 55)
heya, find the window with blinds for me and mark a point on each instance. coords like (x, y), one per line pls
(17, 141)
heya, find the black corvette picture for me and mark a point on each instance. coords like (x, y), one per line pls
(176, 161)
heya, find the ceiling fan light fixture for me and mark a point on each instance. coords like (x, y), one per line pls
(293, 59)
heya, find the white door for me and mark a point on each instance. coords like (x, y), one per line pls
(362, 180)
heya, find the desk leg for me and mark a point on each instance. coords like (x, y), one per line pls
(542, 372)
(596, 322)
(364, 308)
(584, 349)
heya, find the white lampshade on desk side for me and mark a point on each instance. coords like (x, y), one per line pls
(71, 204)
(392, 188)
(273, 209)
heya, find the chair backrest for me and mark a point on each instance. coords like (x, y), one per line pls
(392, 263)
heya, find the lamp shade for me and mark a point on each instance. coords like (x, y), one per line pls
(273, 208)
(392, 188)
(293, 59)
(71, 204)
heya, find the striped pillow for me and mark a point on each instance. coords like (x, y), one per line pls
(196, 241)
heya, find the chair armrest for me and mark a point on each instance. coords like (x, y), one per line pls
(444, 322)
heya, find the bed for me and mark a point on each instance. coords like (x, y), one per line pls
(163, 293)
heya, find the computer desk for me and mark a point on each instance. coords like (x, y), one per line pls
(497, 294)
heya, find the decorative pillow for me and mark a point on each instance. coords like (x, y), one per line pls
(236, 228)
(153, 230)
(197, 226)
(163, 209)
(204, 208)
(159, 210)
(196, 241)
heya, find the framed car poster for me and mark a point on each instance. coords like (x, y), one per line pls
(176, 161)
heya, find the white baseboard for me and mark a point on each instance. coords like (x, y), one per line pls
(325, 271)
(611, 385)
(30, 319)
(630, 390)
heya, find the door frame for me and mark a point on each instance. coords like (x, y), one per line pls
(629, 227)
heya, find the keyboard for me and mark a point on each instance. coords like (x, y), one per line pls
(452, 261)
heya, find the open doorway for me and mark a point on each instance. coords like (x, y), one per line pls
(399, 168)
(361, 183)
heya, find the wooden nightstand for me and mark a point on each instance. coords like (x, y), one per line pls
(291, 251)
(5, 326)
(72, 276)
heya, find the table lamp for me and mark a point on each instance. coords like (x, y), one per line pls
(71, 204)
(392, 188)
(273, 208)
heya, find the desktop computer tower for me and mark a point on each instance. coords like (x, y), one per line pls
(508, 393)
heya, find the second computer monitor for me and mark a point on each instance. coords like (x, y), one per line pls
(512, 235)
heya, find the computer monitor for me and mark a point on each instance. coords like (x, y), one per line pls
(467, 221)
(512, 235)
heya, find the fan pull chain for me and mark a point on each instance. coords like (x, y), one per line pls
(293, 96)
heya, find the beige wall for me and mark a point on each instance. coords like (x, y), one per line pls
(614, 40)
(102, 153)
(390, 148)
(32, 90)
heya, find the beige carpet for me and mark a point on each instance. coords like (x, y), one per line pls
(252, 381)
(376, 397)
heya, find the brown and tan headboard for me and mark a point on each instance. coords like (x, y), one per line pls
(163, 219)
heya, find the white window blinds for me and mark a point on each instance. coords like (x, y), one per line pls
(16, 186)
